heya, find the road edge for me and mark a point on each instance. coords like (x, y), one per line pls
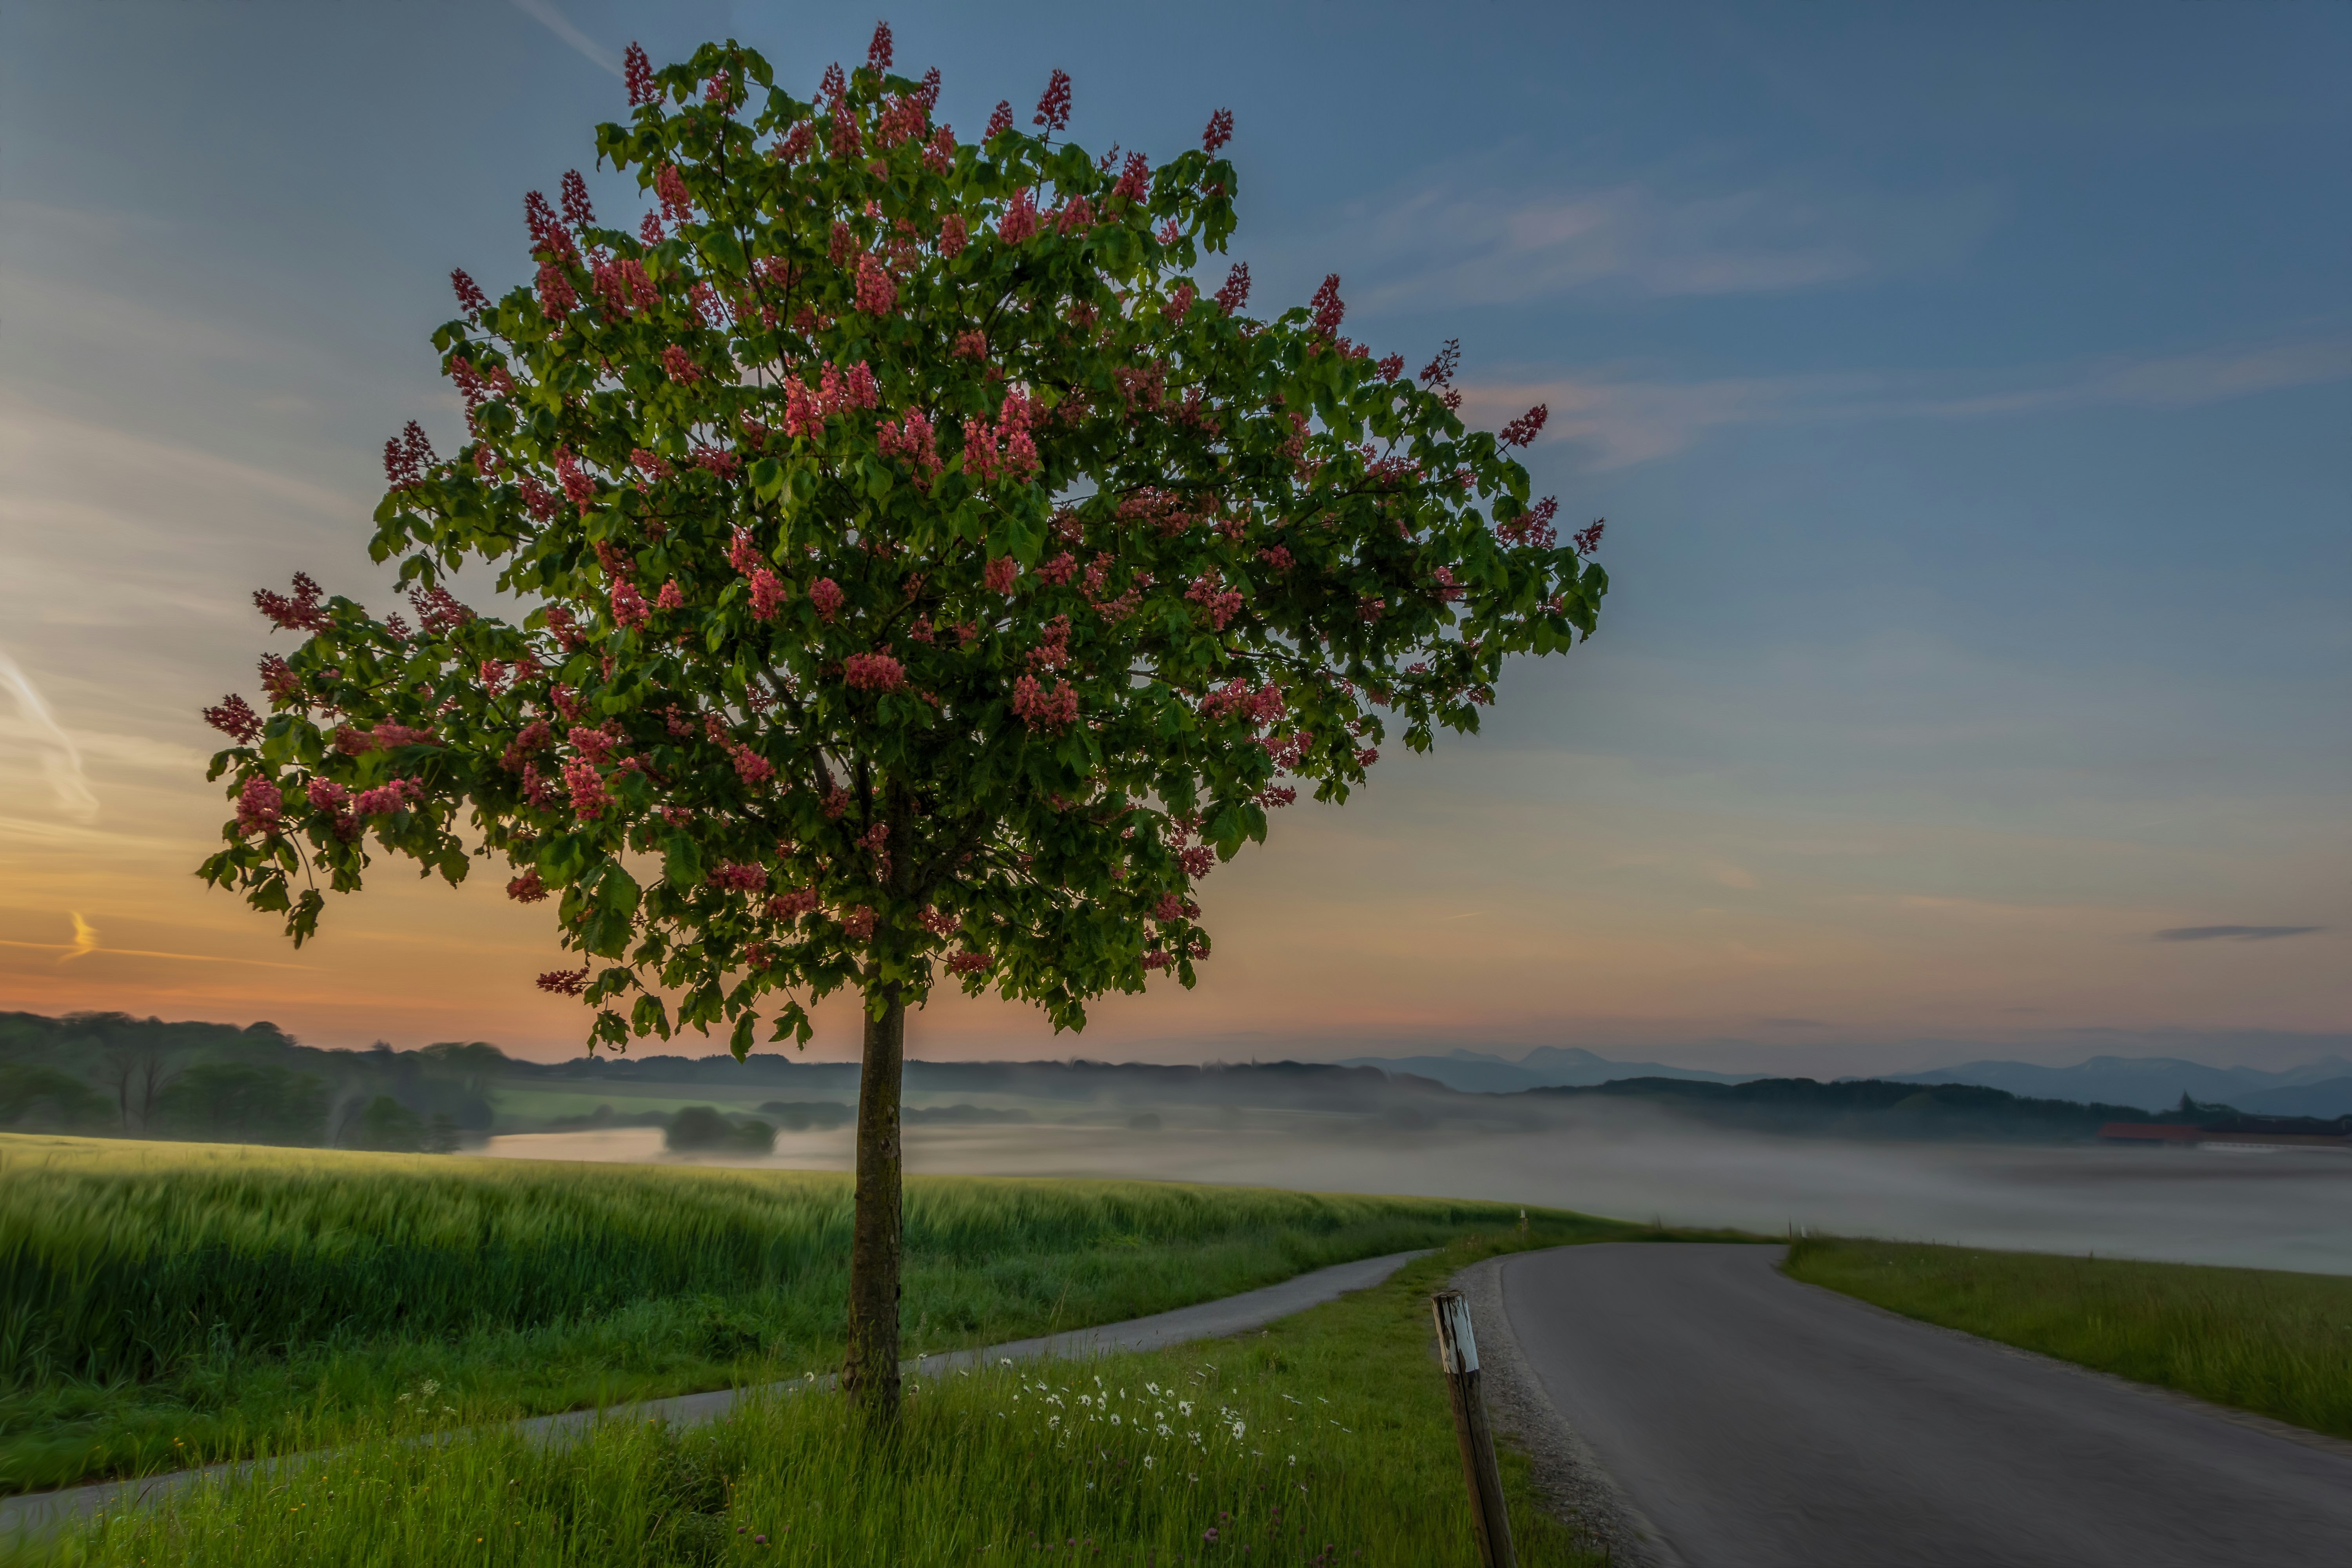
(1576, 1488)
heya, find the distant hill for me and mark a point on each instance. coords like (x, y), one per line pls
(1884, 1107)
(1546, 1067)
(2321, 1088)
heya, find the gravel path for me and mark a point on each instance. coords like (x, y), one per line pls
(37, 1512)
(1752, 1421)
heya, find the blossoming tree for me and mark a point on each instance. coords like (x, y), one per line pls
(917, 579)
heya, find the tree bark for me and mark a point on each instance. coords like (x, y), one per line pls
(870, 1374)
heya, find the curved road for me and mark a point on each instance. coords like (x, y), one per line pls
(1762, 1423)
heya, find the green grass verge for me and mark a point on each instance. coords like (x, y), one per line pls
(164, 1305)
(2276, 1343)
(1322, 1440)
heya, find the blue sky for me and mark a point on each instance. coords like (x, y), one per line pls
(1968, 389)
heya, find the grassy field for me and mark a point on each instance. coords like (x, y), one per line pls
(1324, 1440)
(2277, 1344)
(168, 1304)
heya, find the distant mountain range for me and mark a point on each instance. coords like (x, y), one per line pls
(2321, 1087)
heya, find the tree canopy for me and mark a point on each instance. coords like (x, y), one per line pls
(918, 569)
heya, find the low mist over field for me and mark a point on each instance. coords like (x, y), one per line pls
(2277, 1210)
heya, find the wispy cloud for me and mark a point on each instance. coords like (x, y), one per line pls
(1623, 419)
(545, 11)
(85, 942)
(61, 758)
(1457, 242)
(2234, 934)
(76, 949)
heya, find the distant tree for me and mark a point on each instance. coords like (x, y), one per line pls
(387, 1126)
(919, 572)
(43, 1097)
(441, 1134)
(705, 1128)
(237, 1102)
(139, 1068)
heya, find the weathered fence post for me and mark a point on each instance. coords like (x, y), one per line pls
(1457, 1352)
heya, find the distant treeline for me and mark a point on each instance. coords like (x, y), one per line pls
(108, 1072)
(111, 1073)
(1872, 1107)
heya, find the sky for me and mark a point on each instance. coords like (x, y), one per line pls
(1968, 390)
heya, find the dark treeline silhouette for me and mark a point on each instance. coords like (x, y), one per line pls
(109, 1073)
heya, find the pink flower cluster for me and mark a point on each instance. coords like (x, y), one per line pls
(556, 296)
(718, 460)
(1235, 294)
(999, 119)
(629, 607)
(878, 291)
(1219, 130)
(1018, 222)
(677, 202)
(680, 365)
(1053, 108)
(235, 719)
(1043, 708)
(259, 807)
(471, 298)
(939, 922)
(1209, 591)
(278, 679)
(639, 72)
(1533, 526)
(586, 786)
(1519, 432)
(806, 412)
(826, 595)
(1179, 301)
(970, 963)
(873, 672)
(858, 923)
(1134, 180)
(408, 457)
(564, 982)
(914, 440)
(578, 484)
(767, 593)
(576, 210)
(527, 888)
(1236, 699)
(1018, 462)
(624, 285)
(740, 878)
(301, 613)
(1328, 309)
(792, 905)
(999, 576)
(1587, 540)
(356, 742)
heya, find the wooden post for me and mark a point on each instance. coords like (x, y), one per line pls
(1457, 1352)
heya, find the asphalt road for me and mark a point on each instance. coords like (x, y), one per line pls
(1760, 1423)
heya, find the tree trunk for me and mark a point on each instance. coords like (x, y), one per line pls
(870, 1375)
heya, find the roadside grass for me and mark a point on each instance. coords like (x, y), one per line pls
(2274, 1342)
(170, 1305)
(1322, 1440)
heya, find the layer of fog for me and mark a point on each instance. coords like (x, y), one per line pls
(2271, 1210)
